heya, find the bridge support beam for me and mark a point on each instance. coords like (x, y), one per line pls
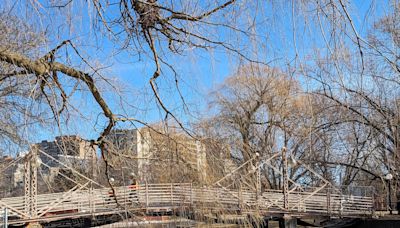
(288, 222)
(30, 178)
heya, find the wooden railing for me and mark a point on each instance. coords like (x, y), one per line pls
(173, 196)
(333, 202)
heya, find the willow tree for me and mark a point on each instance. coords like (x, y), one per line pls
(260, 110)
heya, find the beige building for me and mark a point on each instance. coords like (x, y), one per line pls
(154, 155)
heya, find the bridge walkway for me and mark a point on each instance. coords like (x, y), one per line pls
(82, 202)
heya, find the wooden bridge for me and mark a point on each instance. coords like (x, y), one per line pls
(86, 201)
(182, 197)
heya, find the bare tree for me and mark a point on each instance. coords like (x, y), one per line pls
(147, 28)
(363, 91)
(18, 101)
(348, 119)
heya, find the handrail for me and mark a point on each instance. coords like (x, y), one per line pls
(171, 195)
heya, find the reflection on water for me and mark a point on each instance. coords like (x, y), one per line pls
(172, 224)
(187, 224)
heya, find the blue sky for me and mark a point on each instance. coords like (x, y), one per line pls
(200, 71)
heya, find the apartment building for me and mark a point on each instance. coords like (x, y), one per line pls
(156, 155)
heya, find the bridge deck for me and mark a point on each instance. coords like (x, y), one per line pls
(152, 197)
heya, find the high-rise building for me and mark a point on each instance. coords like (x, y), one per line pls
(71, 148)
(156, 155)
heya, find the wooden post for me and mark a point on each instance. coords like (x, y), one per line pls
(172, 195)
(328, 201)
(285, 180)
(147, 194)
(258, 186)
(217, 196)
(91, 202)
(191, 193)
(240, 196)
(373, 195)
